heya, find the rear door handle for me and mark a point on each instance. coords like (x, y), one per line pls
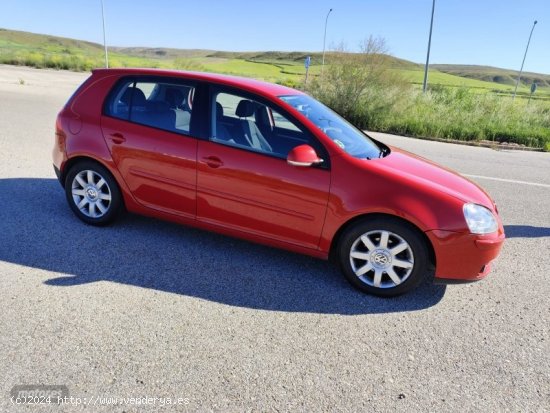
(117, 138)
(213, 161)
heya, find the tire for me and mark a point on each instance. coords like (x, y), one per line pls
(383, 256)
(93, 193)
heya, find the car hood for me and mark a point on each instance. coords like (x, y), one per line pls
(426, 172)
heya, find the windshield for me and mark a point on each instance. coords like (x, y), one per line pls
(342, 133)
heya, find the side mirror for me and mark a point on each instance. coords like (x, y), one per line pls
(303, 155)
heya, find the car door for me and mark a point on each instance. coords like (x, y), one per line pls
(147, 127)
(248, 186)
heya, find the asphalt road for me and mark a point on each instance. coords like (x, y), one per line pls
(150, 309)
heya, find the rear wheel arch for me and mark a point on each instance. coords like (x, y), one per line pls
(372, 216)
(71, 162)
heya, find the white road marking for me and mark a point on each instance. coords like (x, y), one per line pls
(512, 181)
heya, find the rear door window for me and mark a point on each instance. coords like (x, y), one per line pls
(161, 104)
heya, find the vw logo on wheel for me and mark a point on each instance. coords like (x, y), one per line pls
(92, 193)
(380, 259)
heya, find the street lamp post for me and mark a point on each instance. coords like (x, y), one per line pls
(104, 38)
(523, 62)
(425, 84)
(324, 40)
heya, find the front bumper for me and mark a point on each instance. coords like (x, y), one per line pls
(464, 257)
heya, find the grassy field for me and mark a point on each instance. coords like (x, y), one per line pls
(23, 48)
(414, 114)
(494, 74)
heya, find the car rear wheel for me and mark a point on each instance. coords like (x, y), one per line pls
(384, 257)
(92, 193)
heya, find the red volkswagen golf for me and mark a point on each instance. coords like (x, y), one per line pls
(272, 165)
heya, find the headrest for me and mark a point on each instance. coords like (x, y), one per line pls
(219, 110)
(138, 98)
(174, 97)
(245, 108)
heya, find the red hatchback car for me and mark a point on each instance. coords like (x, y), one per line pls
(269, 164)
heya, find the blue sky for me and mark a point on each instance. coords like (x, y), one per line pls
(486, 32)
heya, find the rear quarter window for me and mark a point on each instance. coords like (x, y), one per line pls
(117, 104)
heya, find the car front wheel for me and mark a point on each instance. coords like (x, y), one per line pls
(92, 193)
(383, 256)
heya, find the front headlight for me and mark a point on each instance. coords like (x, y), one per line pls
(480, 220)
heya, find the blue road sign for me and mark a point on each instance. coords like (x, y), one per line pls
(307, 62)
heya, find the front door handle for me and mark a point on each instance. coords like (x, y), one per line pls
(117, 138)
(213, 161)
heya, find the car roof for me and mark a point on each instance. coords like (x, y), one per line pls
(251, 85)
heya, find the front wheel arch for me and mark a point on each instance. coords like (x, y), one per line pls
(333, 255)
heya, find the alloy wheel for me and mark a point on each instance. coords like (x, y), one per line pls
(91, 193)
(381, 259)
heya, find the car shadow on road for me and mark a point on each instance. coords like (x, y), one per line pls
(526, 231)
(38, 230)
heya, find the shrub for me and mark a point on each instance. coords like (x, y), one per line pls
(361, 87)
(289, 83)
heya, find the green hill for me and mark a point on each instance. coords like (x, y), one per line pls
(14, 38)
(38, 50)
(494, 74)
(162, 52)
